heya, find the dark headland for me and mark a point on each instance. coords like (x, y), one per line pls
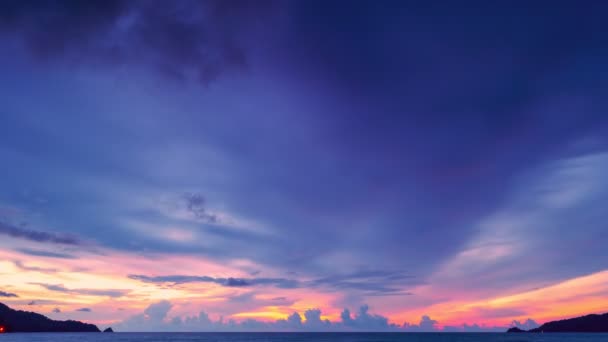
(584, 324)
(25, 321)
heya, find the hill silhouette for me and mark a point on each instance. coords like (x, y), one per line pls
(585, 324)
(25, 321)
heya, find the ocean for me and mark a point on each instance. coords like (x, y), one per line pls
(302, 337)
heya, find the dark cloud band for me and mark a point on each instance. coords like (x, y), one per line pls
(36, 235)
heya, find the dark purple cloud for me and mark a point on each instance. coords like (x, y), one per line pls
(228, 282)
(46, 254)
(19, 264)
(195, 204)
(8, 294)
(36, 235)
(186, 39)
(112, 293)
(370, 283)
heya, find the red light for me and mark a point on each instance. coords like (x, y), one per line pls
(1, 329)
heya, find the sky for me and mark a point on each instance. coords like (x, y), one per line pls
(304, 165)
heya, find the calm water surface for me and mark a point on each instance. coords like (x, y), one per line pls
(304, 337)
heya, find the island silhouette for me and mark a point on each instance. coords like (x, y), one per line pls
(585, 324)
(25, 321)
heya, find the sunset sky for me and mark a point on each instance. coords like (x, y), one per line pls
(222, 165)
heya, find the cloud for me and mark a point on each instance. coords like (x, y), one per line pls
(156, 318)
(19, 264)
(85, 292)
(497, 312)
(473, 328)
(227, 282)
(526, 325)
(8, 295)
(195, 204)
(371, 283)
(56, 310)
(84, 310)
(363, 320)
(152, 319)
(36, 235)
(186, 39)
(426, 324)
(158, 311)
(539, 214)
(47, 254)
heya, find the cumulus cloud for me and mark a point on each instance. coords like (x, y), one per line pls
(366, 321)
(526, 325)
(157, 318)
(152, 319)
(113, 293)
(22, 232)
(8, 295)
(314, 321)
(158, 311)
(426, 324)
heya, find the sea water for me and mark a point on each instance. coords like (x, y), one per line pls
(302, 337)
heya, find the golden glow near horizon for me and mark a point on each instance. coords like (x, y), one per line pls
(71, 284)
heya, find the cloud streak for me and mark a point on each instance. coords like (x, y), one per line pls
(8, 294)
(373, 283)
(36, 235)
(86, 292)
(19, 264)
(227, 282)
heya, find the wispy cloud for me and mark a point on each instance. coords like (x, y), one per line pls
(372, 283)
(46, 254)
(228, 282)
(36, 235)
(19, 264)
(86, 292)
(8, 295)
